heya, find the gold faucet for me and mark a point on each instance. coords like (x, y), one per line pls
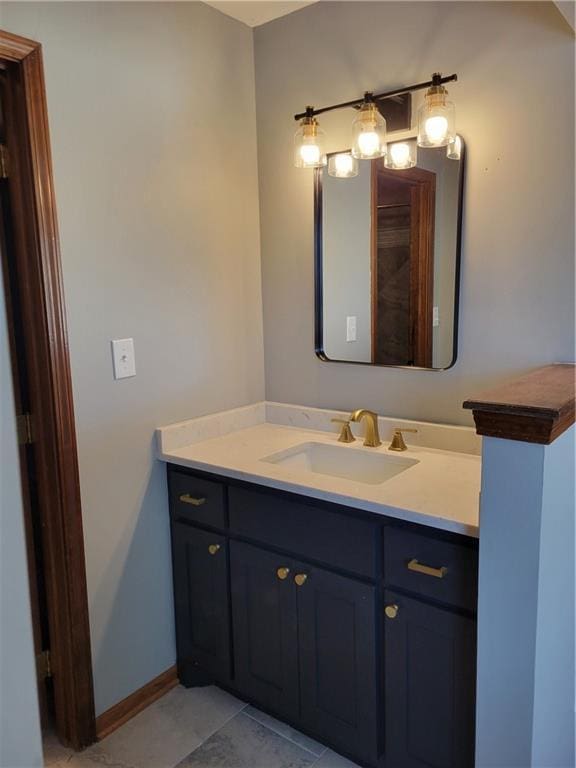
(372, 436)
(398, 443)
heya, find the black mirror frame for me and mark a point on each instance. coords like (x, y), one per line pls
(318, 287)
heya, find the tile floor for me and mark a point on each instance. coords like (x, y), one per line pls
(199, 728)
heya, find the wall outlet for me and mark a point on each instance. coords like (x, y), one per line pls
(351, 325)
(123, 358)
(435, 317)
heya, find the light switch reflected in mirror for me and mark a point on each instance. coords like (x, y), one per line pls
(387, 255)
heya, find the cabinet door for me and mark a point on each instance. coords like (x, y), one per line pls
(265, 628)
(201, 600)
(430, 678)
(337, 641)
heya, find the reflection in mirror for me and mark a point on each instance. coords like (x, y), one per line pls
(387, 250)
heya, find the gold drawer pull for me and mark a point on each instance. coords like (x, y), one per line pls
(300, 579)
(187, 499)
(427, 570)
(213, 548)
(282, 573)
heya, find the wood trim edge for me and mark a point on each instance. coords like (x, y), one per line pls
(16, 48)
(536, 408)
(125, 710)
(32, 190)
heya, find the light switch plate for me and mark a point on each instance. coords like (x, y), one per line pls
(351, 326)
(123, 358)
(435, 317)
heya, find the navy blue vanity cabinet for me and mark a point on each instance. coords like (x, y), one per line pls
(429, 649)
(304, 646)
(265, 628)
(430, 675)
(355, 628)
(338, 670)
(202, 606)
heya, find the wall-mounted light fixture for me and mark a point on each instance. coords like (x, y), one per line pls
(436, 117)
(436, 128)
(368, 131)
(309, 150)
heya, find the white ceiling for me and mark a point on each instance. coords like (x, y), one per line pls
(256, 12)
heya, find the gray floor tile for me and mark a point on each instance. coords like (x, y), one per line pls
(245, 743)
(164, 733)
(287, 731)
(331, 760)
(54, 752)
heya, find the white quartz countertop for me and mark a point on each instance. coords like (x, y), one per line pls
(441, 490)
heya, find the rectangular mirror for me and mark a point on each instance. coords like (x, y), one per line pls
(387, 247)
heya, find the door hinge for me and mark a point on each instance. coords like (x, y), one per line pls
(43, 665)
(25, 434)
(3, 161)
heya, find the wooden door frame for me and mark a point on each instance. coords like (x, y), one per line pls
(37, 254)
(422, 194)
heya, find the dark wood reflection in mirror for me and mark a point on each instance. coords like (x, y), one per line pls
(402, 265)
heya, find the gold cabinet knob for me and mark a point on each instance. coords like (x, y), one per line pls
(300, 579)
(213, 548)
(282, 573)
(391, 611)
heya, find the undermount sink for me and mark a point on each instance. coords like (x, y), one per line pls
(360, 465)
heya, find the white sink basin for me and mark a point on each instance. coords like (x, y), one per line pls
(358, 464)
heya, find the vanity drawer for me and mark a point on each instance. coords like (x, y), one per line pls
(195, 499)
(430, 567)
(336, 539)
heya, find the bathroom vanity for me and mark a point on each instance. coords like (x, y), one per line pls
(346, 619)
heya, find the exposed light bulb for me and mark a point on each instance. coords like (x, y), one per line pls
(400, 154)
(343, 163)
(342, 166)
(369, 143)
(436, 129)
(310, 154)
(369, 132)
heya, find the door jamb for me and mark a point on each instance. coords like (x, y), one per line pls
(61, 512)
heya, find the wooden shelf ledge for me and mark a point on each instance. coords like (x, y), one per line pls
(536, 408)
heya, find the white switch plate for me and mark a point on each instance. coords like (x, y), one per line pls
(123, 358)
(435, 317)
(351, 328)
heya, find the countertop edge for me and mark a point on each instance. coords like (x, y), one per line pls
(430, 521)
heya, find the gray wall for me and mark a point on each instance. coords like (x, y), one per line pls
(152, 118)
(515, 110)
(525, 695)
(346, 267)
(445, 250)
(20, 745)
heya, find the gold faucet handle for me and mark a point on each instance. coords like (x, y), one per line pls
(398, 443)
(345, 435)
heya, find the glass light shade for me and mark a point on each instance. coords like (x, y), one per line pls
(368, 133)
(454, 149)
(436, 119)
(342, 166)
(309, 141)
(401, 154)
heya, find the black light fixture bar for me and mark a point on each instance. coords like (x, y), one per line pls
(437, 80)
